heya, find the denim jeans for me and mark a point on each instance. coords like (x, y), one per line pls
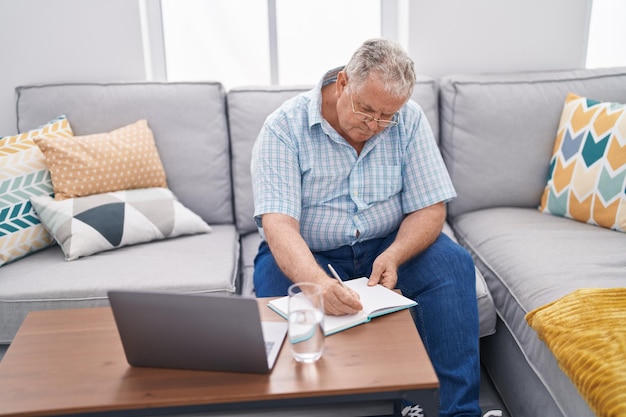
(442, 282)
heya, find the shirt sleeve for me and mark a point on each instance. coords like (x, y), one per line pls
(275, 171)
(426, 180)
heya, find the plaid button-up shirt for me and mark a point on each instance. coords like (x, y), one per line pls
(303, 168)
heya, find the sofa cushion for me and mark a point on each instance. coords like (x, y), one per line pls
(247, 110)
(122, 159)
(497, 131)
(249, 248)
(426, 94)
(83, 226)
(23, 173)
(204, 263)
(188, 121)
(587, 176)
(530, 259)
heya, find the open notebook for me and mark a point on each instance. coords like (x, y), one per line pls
(376, 300)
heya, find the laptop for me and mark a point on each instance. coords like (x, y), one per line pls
(200, 332)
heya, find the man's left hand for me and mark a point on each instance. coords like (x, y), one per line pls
(384, 272)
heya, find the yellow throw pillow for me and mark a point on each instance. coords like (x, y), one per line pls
(123, 159)
(24, 174)
(587, 176)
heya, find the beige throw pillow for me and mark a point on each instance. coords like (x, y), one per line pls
(123, 159)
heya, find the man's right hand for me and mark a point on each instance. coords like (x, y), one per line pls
(339, 301)
(295, 259)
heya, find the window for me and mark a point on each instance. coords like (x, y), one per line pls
(315, 36)
(233, 41)
(605, 46)
(221, 40)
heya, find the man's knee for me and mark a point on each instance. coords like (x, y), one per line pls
(447, 260)
(461, 261)
(464, 257)
(445, 247)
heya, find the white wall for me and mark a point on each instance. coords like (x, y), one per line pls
(451, 36)
(49, 41)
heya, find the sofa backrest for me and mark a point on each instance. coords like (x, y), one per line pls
(247, 110)
(188, 121)
(426, 94)
(498, 131)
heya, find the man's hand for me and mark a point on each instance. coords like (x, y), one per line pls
(339, 300)
(296, 260)
(384, 272)
(417, 232)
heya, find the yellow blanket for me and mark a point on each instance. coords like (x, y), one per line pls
(586, 331)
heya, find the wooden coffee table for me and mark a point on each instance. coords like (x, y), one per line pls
(72, 362)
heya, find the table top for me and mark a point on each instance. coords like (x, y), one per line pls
(72, 361)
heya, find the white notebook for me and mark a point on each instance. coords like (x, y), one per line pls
(376, 301)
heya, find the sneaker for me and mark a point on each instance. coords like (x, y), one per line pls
(412, 411)
(493, 413)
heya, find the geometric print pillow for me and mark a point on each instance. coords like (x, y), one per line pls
(587, 175)
(23, 174)
(83, 226)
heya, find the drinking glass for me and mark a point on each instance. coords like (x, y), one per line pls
(306, 321)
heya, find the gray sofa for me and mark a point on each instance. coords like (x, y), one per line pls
(496, 134)
(204, 137)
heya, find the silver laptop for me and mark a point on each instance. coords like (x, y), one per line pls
(201, 332)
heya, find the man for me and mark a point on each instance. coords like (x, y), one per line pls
(349, 174)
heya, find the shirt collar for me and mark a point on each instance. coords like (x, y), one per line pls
(315, 105)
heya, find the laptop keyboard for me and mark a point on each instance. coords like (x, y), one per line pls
(268, 347)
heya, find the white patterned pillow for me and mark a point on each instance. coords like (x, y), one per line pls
(587, 176)
(83, 226)
(23, 174)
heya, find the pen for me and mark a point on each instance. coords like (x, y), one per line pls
(336, 275)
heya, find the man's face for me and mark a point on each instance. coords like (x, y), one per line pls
(356, 110)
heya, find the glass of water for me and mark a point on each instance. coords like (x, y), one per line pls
(306, 321)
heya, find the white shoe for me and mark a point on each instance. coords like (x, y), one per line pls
(493, 413)
(412, 411)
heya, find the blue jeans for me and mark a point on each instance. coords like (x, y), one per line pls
(442, 282)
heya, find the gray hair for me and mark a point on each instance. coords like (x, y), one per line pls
(388, 61)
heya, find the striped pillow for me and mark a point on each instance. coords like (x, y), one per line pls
(24, 174)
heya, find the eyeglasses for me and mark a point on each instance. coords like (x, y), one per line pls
(368, 118)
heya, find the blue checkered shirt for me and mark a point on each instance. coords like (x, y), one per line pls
(303, 168)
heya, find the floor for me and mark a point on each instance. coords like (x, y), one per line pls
(489, 401)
